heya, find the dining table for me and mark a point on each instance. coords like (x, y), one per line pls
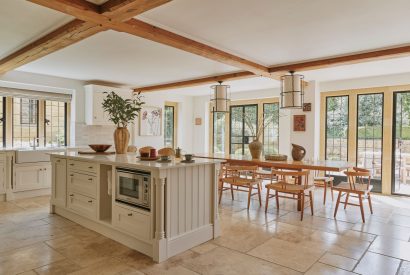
(313, 165)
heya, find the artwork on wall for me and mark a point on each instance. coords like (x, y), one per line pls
(299, 123)
(198, 121)
(307, 107)
(150, 121)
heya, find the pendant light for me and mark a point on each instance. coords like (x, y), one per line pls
(292, 92)
(220, 98)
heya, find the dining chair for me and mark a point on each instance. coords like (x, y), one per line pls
(166, 152)
(244, 179)
(324, 182)
(293, 185)
(358, 185)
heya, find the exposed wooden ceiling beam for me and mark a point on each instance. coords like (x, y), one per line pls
(196, 82)
(354, 58)
(150, 32)
(76, 30)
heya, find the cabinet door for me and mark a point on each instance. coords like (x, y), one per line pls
(59, 182)
(82, 184)
(82, 205)
(2, 178)
(132, 222)
(31, 177)
(99, 116)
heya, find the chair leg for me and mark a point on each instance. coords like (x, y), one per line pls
(220, 193)
(232, 192)
(361, 207)
(324, 192)
(370, 203)
(259, 195)
(347, 200)
(267, 200)
(249, 196)
(277, 199)
(337, 203)
(302, 205)
(311, 201)
(331, 189)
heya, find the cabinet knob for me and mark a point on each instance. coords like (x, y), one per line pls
(129, 214)
(71, 175)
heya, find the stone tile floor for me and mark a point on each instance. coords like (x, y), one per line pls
(32, 241)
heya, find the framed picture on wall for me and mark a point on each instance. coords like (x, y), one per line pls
(307, 107)
(299, 123)
(150, 121)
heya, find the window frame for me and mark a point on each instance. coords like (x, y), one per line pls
(173, 124)
(263, 112)
(243, 123)
(348, 126)
(12, 119)
(65, 122)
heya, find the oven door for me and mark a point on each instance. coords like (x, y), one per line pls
(130, 188)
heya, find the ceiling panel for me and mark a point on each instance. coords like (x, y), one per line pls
(22, 22)
(276, 31)
(125, 59)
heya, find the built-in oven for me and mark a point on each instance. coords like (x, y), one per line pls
(133, 187)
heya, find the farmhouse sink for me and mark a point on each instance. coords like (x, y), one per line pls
(36, 155)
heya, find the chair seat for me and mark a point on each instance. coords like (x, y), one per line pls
(288, 187)
(323, 179)
(240, 181)
(359, 188)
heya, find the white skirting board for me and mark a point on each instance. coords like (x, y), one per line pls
(107, 231)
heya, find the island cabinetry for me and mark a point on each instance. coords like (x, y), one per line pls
(132, 221)
(59, 182)
(82, 186)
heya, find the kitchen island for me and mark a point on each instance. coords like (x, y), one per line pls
(179, 210)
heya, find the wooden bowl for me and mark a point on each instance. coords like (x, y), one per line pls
(100, 147)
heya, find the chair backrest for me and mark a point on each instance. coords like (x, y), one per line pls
(238, 171)
(145, 149)
(358, 176)
(301, 177)
(166, 152)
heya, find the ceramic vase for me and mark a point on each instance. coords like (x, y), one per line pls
(255, 147)
(121, 140)
(298, 152)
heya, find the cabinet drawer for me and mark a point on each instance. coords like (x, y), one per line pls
(82, 205)
(83, 166)
(82, 184)
(132, 222)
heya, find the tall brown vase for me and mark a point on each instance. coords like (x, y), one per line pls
(255, 147)
(121, 140)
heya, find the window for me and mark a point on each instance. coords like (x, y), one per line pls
(370, 133)
(219, 132)
(337, 119)
(271, 128)
(244, 122)
(55, 123)
(169, 127)
(25, 121)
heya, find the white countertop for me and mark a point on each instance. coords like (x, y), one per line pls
(131, 159)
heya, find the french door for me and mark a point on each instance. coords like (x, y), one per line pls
(243, 125)
(401, 143)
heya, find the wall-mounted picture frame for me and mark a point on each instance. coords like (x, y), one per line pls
(198, 121)
(150, 121)
(299, 123)
(307, 107)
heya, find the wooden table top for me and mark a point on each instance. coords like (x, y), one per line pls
(320, 165)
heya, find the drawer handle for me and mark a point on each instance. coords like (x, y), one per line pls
(72, 195)
(71, 175)
(90, 167)
(71, 164)
(58, 160)
(129, 214)
(90, 179)
(90, 201)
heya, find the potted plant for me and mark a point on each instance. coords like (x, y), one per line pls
(122, 112)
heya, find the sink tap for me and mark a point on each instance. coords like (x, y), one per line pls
(36, 142)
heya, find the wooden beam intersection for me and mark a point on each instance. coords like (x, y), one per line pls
(153, 33)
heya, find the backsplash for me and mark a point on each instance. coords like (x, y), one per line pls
(90, 134)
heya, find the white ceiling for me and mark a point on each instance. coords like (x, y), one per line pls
(22, 22)
(267, 31)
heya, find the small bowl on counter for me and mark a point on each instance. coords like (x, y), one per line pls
(100, 148)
